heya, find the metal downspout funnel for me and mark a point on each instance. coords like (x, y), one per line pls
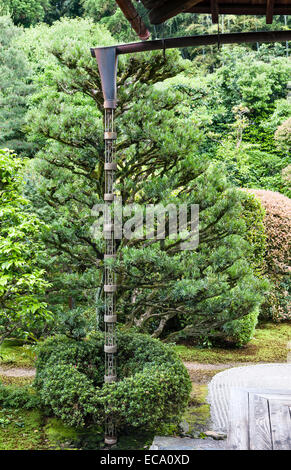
(107, 59)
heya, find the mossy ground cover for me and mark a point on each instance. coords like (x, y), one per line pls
(32, 430)
(268, 345)
(21, 430)
(16, 353)
(197, 416)
(35, 430)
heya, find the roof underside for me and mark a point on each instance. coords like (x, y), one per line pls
(162, 10)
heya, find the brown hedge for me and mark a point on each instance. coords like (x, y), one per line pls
(277, 222)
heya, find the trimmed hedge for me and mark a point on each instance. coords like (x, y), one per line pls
(153, 385)
(240, 332)
(277, 223)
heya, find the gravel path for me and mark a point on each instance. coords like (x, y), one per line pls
(30, 372)
(197, 366)
(191, 366)
(17, 372)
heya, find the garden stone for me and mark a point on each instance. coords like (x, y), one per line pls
(218, 436)
(184, 427)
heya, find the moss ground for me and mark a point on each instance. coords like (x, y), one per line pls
(19, 381)
(27, 430)
(21, 430)
(197, 415)
(268, 345)
(15, 353)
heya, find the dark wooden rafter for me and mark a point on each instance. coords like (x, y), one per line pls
(133, 17)
(270, 11)
(166, 10)
(240, 9)
(214, 11)
(161, 10)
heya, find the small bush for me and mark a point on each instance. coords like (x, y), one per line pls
(153, 385)
(18, 397)
(240, 332)
(253, 215)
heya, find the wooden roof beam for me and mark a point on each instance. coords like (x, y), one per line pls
(169, 9)
(133, 17)
(270, 11)
(240, 9)
(203, 40)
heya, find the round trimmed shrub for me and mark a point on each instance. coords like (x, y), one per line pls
(240, 332)
(153, 385)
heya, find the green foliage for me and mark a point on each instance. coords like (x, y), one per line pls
(15, 88)
(24, 12)
(21, 281)
(107, 13)
(153, 385)
(282, 135)
(75, 323)
(24, 397)
(256, 86)
(240, 332)
(213, 284)
(253, 104)
(254, 215)
(60, 8)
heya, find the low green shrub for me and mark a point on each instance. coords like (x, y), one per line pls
(240, 332)
(153, 385)
(12, 396)
(253, 215)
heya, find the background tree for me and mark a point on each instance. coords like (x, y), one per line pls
(251, 90)
(22, 283)
(24, 12)
(162, 159)
(60, 8)
(15, 88)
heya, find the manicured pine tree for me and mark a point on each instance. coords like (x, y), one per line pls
(162, 158)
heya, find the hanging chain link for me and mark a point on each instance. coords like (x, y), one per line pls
(110, 318)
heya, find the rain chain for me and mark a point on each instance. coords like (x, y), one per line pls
(110, 317)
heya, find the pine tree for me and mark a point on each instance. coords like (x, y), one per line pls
(162, 158)
(15, 88)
